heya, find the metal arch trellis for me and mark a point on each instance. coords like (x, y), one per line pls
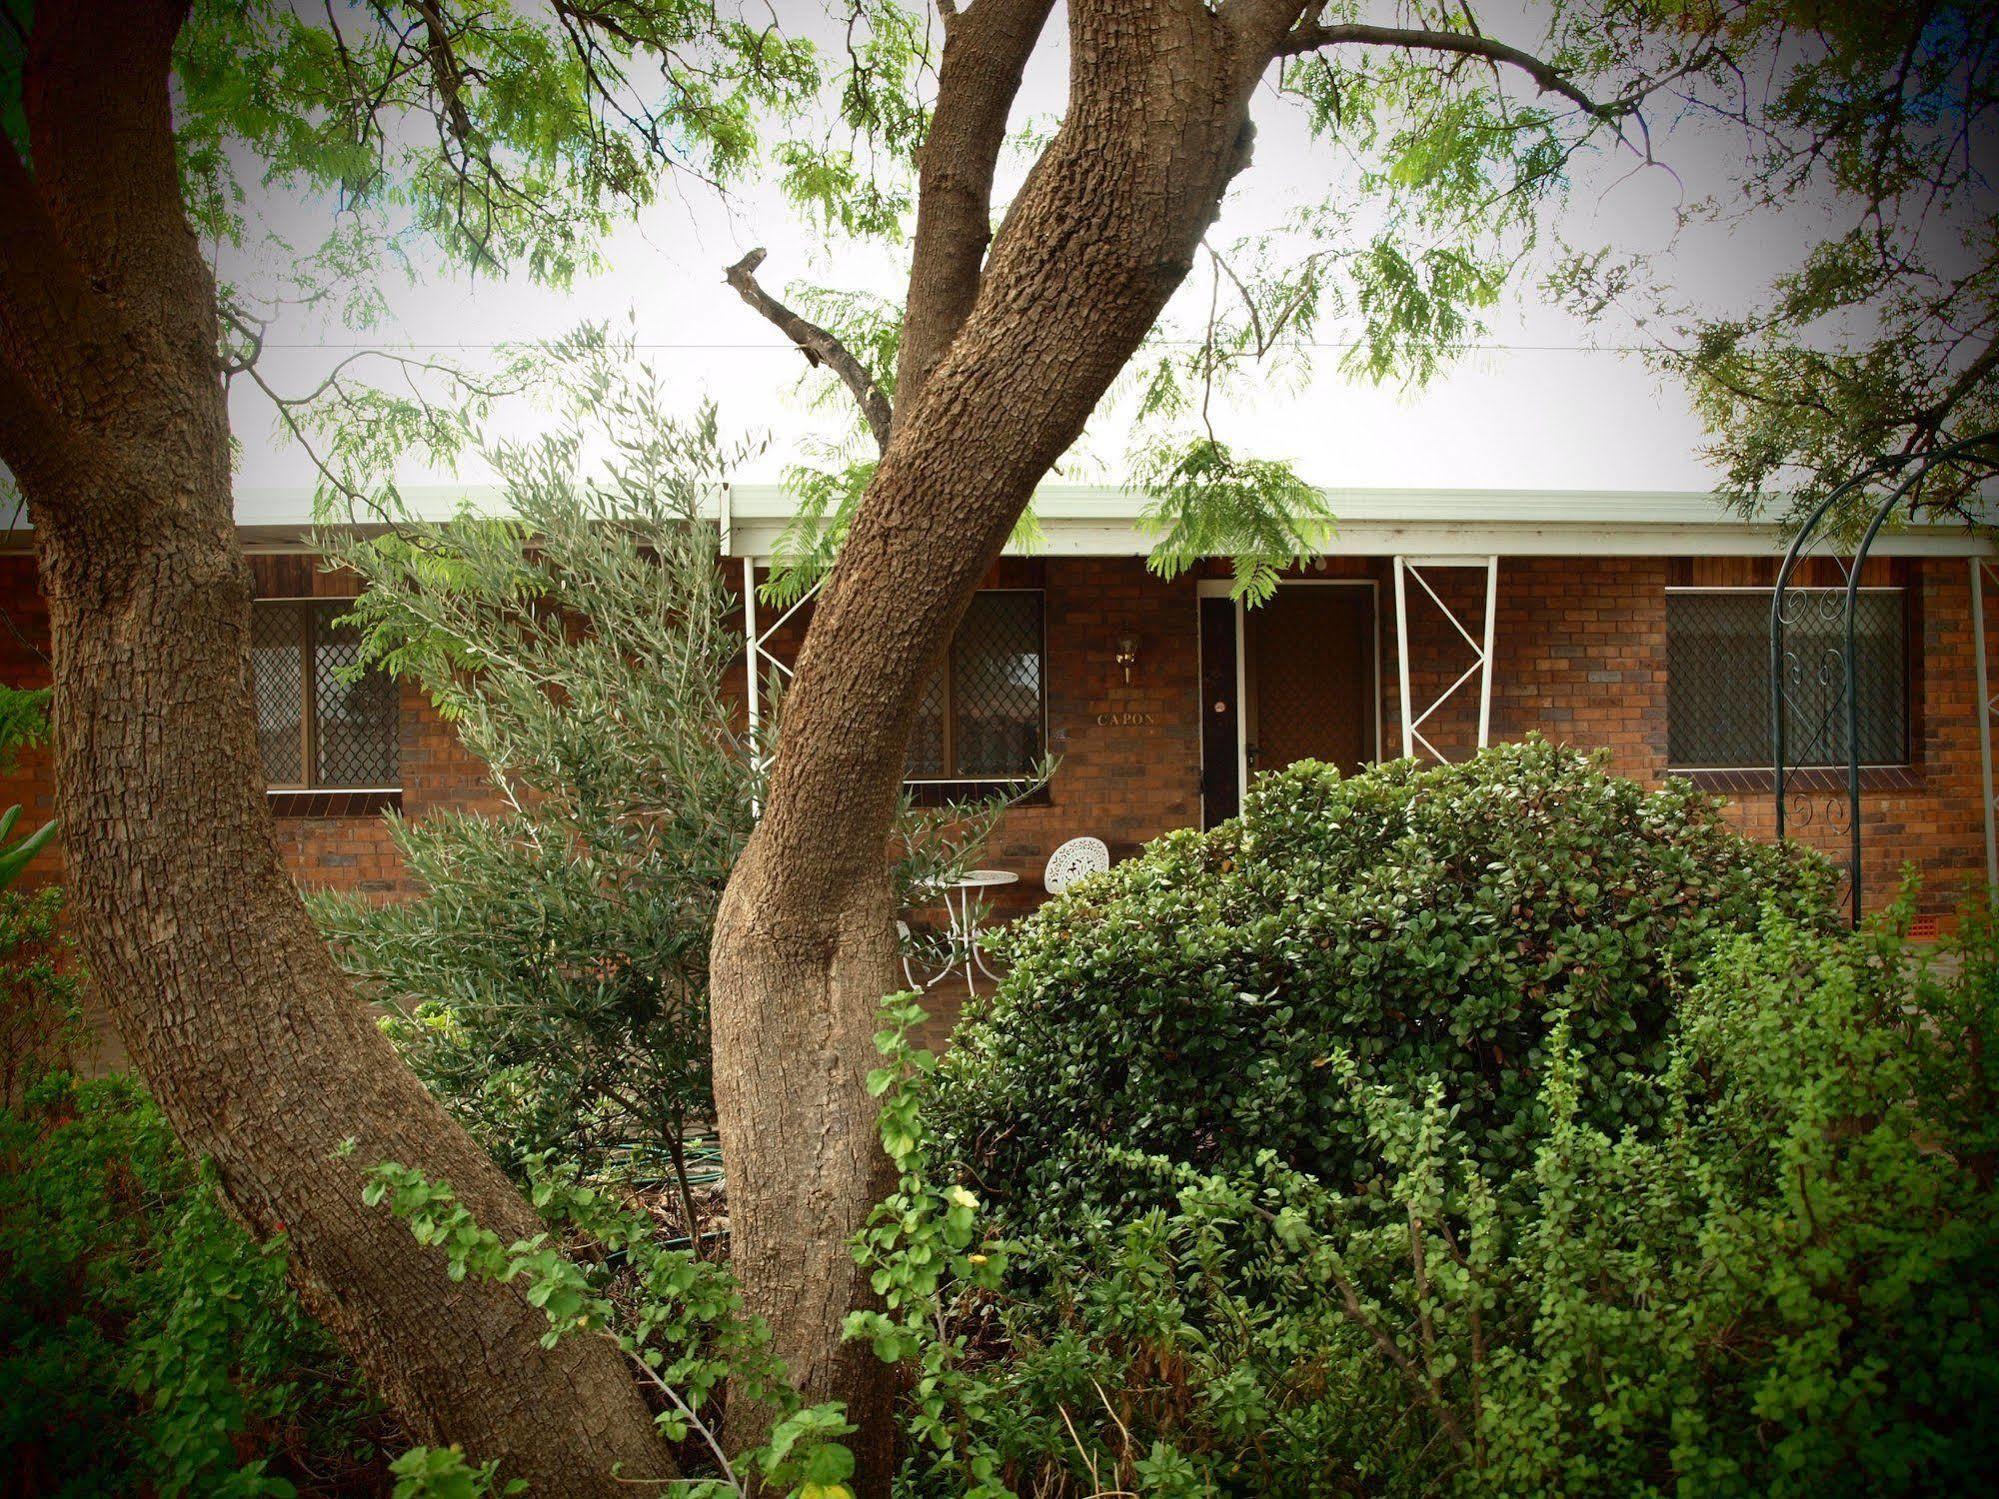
(1791, 676)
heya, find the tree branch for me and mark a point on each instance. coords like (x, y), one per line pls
(985, 54)
(98, 72)
(37, 445)
(1310, 38)
(815, 343)
(52, 324)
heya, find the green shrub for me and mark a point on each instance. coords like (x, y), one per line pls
(41, 981)
(549, 981)
(151, 1345)
(41, 1018)
(1431, 922)
(1788, 1286)
(680, 1320)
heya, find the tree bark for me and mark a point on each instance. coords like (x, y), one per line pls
(985, 54)
(113, 419)
(1102, 233)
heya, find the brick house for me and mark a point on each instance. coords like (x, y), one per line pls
(1629, 621)
(1636, 622)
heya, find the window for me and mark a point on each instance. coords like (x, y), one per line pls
(1718, 678)
(981, 716)
(317, 728)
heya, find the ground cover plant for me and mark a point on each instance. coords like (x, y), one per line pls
(151, 1344)
(1435, 923)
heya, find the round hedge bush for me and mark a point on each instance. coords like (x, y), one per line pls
(1430, 922)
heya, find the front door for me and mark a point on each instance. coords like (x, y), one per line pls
(1309, 684)
(1305, 662)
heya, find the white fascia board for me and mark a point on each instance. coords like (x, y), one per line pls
(1103, 521)
(1063, 538)
(291, 508)
(1078, 521)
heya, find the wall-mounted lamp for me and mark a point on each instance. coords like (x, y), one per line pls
(1127, 654)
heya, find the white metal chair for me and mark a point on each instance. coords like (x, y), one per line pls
(1073, 861)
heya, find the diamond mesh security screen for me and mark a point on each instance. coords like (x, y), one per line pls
(354, 717)
(344, 733)
(1718, 678)
(981, 715)
(277, 670)
(996, 685)
(1311, 674)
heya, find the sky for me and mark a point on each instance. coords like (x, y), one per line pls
(1544, 401)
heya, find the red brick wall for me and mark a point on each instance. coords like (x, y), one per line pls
(351, 852)
(24, 650)
(1130, 752)
(1580, 656)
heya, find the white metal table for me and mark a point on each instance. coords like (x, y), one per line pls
(964, 917)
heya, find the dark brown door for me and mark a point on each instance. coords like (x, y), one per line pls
(1310, 679)
(1221, 788)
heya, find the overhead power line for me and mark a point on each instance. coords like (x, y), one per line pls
(786, 348)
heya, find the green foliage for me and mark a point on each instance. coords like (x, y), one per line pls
(41, 986)
(1204, 501)
(505, 134)
(1435, 922)
(930, 1262)
(550, 980)
(151, 1344)
(24, 720)
(1785, 1287)
(679, 1321)
(826, 500)
(835, 189)
(1856, 351)
(14, 856)
(443, 1473)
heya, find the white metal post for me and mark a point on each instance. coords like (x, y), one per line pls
(752, 666)
(1402, 657)
(1241, 704)
(1485, 652)
(1979, 567)
(1480, 646)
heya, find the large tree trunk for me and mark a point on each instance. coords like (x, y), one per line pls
(1103, 232)
(243, 1028)
(112, 416)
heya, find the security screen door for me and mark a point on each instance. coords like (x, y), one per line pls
(1293, 679)
(1309, 685)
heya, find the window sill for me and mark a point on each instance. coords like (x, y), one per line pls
(941, 793)
(334, 803)
(1809, 780)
